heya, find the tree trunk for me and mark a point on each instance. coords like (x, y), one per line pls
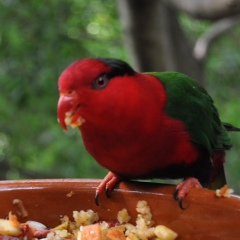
(154, 38)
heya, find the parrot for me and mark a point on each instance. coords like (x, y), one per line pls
(151, 125)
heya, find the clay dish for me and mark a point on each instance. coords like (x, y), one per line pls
(205, 217)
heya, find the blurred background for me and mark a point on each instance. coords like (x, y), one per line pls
(38, 39)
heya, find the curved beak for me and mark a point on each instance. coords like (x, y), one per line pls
(65, 105)
(68, 112)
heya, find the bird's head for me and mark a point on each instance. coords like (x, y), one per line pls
(92, 88)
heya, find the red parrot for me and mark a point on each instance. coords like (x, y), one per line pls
(143, 125)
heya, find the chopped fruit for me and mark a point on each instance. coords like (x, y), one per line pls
(224, 191)
(123, 216)
(87, 226)
(115, 234)
(91, 232)
(165, 233)
(10, 227)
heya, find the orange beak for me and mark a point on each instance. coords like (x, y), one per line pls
(65, 105)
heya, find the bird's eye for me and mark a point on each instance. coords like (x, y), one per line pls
(101, 82)
(70, 92)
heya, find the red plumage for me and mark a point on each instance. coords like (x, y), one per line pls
(123, 134)
(124, 124)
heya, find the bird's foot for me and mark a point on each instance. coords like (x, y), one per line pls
(183, 189)
(107, 185)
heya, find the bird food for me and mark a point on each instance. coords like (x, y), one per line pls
(225, 191)
(87, 226)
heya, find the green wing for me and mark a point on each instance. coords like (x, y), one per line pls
(188, 102)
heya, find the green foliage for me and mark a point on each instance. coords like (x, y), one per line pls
(38, 39)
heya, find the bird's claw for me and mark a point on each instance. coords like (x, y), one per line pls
(97, 199)
(183, 189)
(180, 203)
(108, 192)
(175, 194)
(179, 199)
(106, 185)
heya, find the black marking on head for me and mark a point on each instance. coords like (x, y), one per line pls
(119, 67)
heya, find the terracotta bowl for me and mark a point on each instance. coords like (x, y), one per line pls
(205, 217)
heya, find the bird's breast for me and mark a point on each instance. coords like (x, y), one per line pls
(136, 154)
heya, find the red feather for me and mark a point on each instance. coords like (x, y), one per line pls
(121, 115)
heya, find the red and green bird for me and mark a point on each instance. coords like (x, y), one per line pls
(143, 125)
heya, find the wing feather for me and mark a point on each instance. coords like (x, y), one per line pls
(190, 103)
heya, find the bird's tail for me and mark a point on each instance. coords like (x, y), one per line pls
(218, 158)
(219, 181)
(230, 128)
(218, 175)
